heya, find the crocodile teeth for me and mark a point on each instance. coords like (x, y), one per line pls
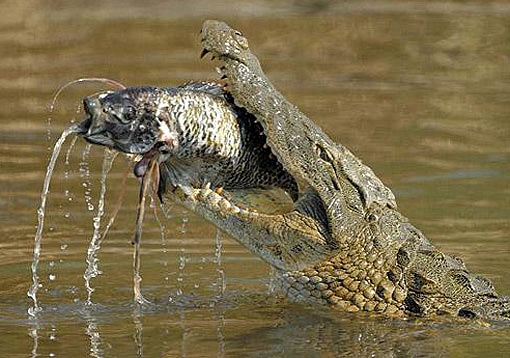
(204, 52)
(213, 197)
(202, 194)
(225, 204)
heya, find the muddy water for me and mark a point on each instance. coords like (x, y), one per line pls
(419, 90)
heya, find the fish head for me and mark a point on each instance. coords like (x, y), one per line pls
(132, 120)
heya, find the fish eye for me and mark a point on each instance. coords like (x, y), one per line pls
(129, 114)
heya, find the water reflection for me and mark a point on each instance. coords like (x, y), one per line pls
(33, 332)
(275, 329)
(93, 333)
(138, 334)
(221, 287)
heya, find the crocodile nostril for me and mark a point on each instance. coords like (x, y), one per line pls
(466, 313)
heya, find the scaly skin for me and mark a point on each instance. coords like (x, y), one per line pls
(344, 244)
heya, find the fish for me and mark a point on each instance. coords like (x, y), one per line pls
(195, 133)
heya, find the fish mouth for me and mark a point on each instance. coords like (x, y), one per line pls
(94, 127)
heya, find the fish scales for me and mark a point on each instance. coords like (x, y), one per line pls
(216, 142)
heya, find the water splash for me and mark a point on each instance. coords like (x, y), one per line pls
(181, 260)
(112, 83)
(32, 292)
(118, 204)
(85, 175)
(92, 269)
(68, 194)
(68, 155)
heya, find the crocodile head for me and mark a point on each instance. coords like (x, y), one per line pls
(227, 43)
(344, 226)
(344, 184)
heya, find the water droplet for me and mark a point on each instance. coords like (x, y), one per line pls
(182, 262)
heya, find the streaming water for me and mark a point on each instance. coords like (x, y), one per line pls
(181, 260)
(32, 292)
(118, 204)
(85, 175)
(92, 269)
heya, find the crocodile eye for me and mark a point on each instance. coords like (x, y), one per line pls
(241, 40)
(323, 154)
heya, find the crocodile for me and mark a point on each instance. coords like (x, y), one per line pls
(339, 240)
(344, 244)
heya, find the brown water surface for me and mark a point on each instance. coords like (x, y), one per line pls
(419, 90)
